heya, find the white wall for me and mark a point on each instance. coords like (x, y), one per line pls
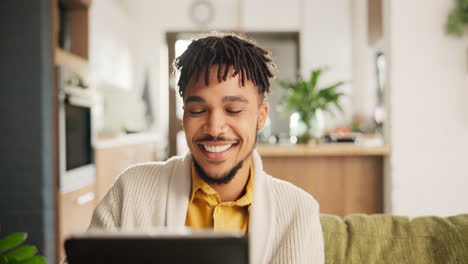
(429, 111)
(111, 60)
(110, 44)
(364, 83)
(326, 40)
(271, 15)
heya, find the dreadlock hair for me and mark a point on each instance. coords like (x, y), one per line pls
(249, 60)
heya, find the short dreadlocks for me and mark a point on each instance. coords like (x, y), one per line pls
(250, 61)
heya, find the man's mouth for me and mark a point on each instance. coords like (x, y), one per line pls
(216, 149)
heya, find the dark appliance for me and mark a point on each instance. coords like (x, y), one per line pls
(76, 103)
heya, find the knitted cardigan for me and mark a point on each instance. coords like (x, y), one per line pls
(284, 225)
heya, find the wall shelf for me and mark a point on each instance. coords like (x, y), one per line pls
(76, 3)
(71, 62)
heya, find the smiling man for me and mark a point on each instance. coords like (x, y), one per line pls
(220, 184)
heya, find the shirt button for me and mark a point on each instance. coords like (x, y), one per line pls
(219, 209)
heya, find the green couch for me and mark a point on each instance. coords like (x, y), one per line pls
(395, 239)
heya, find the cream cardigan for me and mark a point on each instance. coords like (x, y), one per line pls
(284, 224)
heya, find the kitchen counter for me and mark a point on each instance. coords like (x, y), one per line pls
(126, 139)
(325, 149)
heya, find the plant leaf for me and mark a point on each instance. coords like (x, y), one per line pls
(35, 260)
(12, 241)
(285, 84)
(314, 77)
(305, 97)
(331, 88)
(457, 19)
(338, 106)
(3, 260)
(22, 253)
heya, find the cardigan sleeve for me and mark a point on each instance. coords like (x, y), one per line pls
(299, 237)
(305, 239)
(315, 238)
(137, 195)
(106, 216)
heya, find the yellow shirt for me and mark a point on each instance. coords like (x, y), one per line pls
(206, 210)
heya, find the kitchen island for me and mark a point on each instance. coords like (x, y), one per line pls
(343, 177)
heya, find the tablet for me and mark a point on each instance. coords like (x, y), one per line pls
(129, 248)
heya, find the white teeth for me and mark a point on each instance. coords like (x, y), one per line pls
(216, 149)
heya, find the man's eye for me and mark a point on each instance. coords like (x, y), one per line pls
(234, 111)
(197, 112)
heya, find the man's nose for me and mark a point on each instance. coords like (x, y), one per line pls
(216, 123)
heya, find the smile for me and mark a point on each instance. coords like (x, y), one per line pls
(216, 149)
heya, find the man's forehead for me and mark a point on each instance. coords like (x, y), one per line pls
(202, 81)
(225, 99)
(227, 89)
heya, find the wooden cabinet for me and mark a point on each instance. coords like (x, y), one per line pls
(76, 208)
(344, 179)
(77, 25)
(374, 21)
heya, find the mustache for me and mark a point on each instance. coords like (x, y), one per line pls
(212, 138)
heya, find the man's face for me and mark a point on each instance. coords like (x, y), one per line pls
(221, 121)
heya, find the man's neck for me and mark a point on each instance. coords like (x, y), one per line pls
(235, 188)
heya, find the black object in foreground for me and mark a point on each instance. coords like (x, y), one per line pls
(144, 249)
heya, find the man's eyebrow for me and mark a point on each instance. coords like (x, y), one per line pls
(194, 99)
(235, 99)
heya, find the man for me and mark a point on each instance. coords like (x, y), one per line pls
(220, 184)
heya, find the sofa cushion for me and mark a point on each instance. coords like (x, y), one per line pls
(395, 239)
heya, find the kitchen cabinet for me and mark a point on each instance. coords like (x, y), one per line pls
(75, 211)
(344, 178)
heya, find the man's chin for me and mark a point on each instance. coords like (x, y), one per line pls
(214, 177)
(215, 169)
(217, 176)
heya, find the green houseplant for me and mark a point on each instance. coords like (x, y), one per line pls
(457, 19)
(11, 251)
(307, 99)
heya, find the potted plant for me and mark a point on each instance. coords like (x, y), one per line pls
(458, 19)
(309, 101)
(12, 253)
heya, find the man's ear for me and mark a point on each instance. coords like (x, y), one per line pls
(263, 115)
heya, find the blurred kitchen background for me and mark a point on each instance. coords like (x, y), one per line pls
(88, 90)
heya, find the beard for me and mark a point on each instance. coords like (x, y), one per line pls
(224, 179)
(228, 176)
